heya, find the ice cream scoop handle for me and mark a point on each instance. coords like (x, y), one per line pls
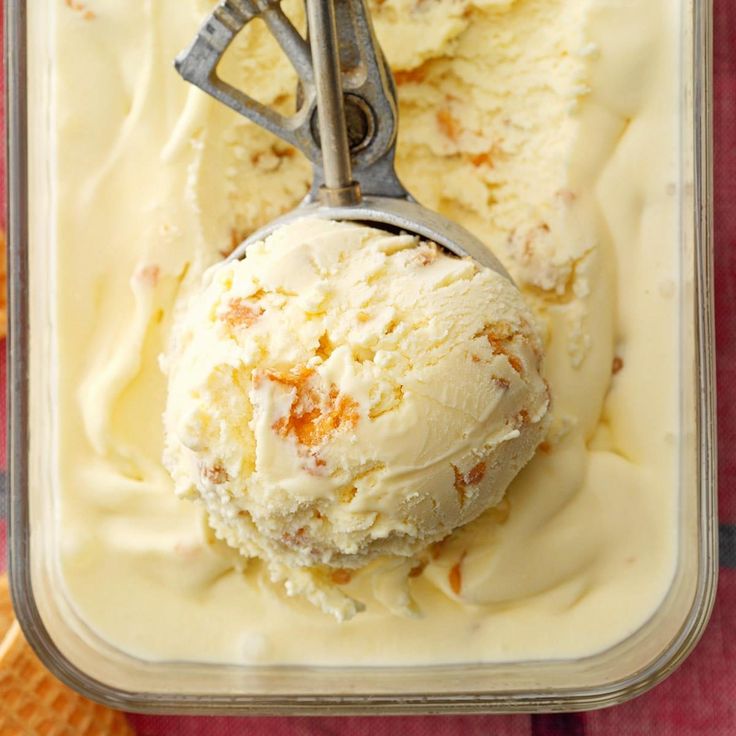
(339, 187)
(198, 64)
(345, 89)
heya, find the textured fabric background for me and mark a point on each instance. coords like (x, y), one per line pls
(700, 698)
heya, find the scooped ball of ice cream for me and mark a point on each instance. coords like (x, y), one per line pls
(343, 393)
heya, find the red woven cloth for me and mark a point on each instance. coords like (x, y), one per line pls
(700, 698)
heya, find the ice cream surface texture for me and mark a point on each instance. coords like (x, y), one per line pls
(342, 394)
(527, 121)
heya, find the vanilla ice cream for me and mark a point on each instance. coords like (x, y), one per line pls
(342, 393)
(527, 121)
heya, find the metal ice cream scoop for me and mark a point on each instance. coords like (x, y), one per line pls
(346, 122)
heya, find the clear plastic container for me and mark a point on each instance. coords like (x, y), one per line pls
(91, 666)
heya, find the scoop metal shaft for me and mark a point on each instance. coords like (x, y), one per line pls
(339, 187)
(346, 121)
